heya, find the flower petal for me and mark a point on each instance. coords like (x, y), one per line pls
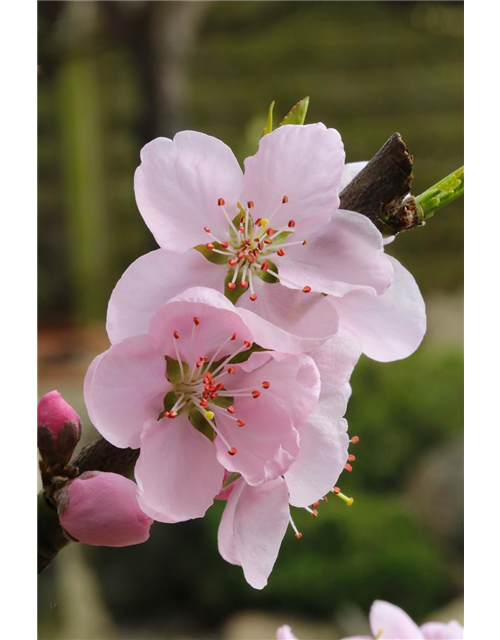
(260, 518)
(266, 445)
(337, 358)
(391, 622)
(124, 388)
(350, 171)
(151, 281)
(303, 163)
(441, 631)
(343, 255)
(288, 320)
(391, 326)
(178, 185)
(323, 450)
(225, 537)
(177, 471)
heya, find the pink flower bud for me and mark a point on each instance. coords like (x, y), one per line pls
(59, 429)
(101, 509)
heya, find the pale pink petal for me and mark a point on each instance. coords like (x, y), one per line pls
(350, 171)
(101, 509)
(294, 381)
(266, 445)
(225, 536)
(303, 163)
(337, 358)
(323, 450)
(178, 185)
(343, 255)
(177, 471)
(288, 320)
(392, 623)
(285, 633)
(218, 321)
(442, 631)
(391, 326)
(151, 281)
(260, 517)
(124, 388)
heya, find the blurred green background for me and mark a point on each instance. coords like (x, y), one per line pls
(114, 75)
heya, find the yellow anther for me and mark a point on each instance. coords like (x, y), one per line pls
(347, 500)
(264, 222)
(209, 415)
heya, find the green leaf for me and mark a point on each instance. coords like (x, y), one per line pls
(265, 275)
(223, 401)
(174, 371)
(201, 424)
(269, 125)
(230, 479)
(240, 357)
(212, 256)
(297, 113)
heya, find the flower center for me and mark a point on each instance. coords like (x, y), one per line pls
(252, 245)
(199, 386)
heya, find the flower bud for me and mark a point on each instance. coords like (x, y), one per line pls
(59, 429)
(101, 509)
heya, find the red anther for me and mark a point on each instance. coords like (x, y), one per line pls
(314, 505)
(267, 241)
(209, 245)
(270, 231)
(306, 289)
(266, 384)
(250, 204)
(230, 409)
(232, 451)
(255, 394)
(253, 297)
(247, 344)
(176, 335)
(251, 258)
(265, 266)
(258, 221)
(242, 219)
(233, 262)
(243, 284)
(348, 467)
(172, 414)
(325, 499)
(291, 224)
(241, 255)
(280, 252)
(199, 363)
(240, 228)
(261, 246)
(240, 423)
(231, 285)
(231, 370)
(203, 358)
(207, 229)
(166, 414)
(221, 202)
(285, 199)
(204, 402)
(351, 458)
(354, 440)
(336, 490)
(224, 245)
(220, 386)
(314, 514)
(233, 337)
(196, 321)
(298, 536)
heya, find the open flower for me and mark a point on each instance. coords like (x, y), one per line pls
(389, 622)
(273, 240)
(256, 518)
(197, 401)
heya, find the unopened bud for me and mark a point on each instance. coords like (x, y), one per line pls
(59, 429)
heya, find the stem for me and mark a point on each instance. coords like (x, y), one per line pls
(441, 194)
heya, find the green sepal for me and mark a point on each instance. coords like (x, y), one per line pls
(168, 402)
(239, 357)
(223, 401)
(297, 113)
(269, 125)
(232, 294)
(212, 256)
(201, 425)
(230, 479)
(173, 372)
(265, 275)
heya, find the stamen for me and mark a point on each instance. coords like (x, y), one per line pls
(221, 202)
(346, 499)
(354, 440)
(298, 535)
(313, 512)
(285, 199)
(196, 321)
(291, 224)
(348, 467)
(250, 204)
(306, 289)
(266, 384)
(230, 409)
(176, 335)
(177, 355)
(232, 451)
(351, 458)
(280, 252)
(210, 246)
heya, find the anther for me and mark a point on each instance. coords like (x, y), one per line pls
(268, 241)
(247, 344)
(221, 202)
(207, 229)
(315, 504)
(306, 289)
(231, 370)
(336, 490)
(233, 262)
(325, 499)
(255, 394)
(298, 535)
(230, 409)
(265, 266)
(348, 467)
(233, 337)
(291, 224)
(240, 423)
(351, 458)
(209, 246)
(354, 440)
(232, 451)
(250, 204)
(224, 245)
(280, 252)
(196, 321)
(251, 258)
(258, 221)
(304, 243)
(231, 285)
(266, 384)
(314, 513)
(285, 199)
(253, 297)
(243, 284)
(176, 335)
(241, 255)
(270, 231)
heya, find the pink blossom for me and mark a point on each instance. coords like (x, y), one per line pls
(101, 509)
(389, 622)
(256, 518)
(174, 393)
(59, 428)
(285, 633)
(273, 240)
